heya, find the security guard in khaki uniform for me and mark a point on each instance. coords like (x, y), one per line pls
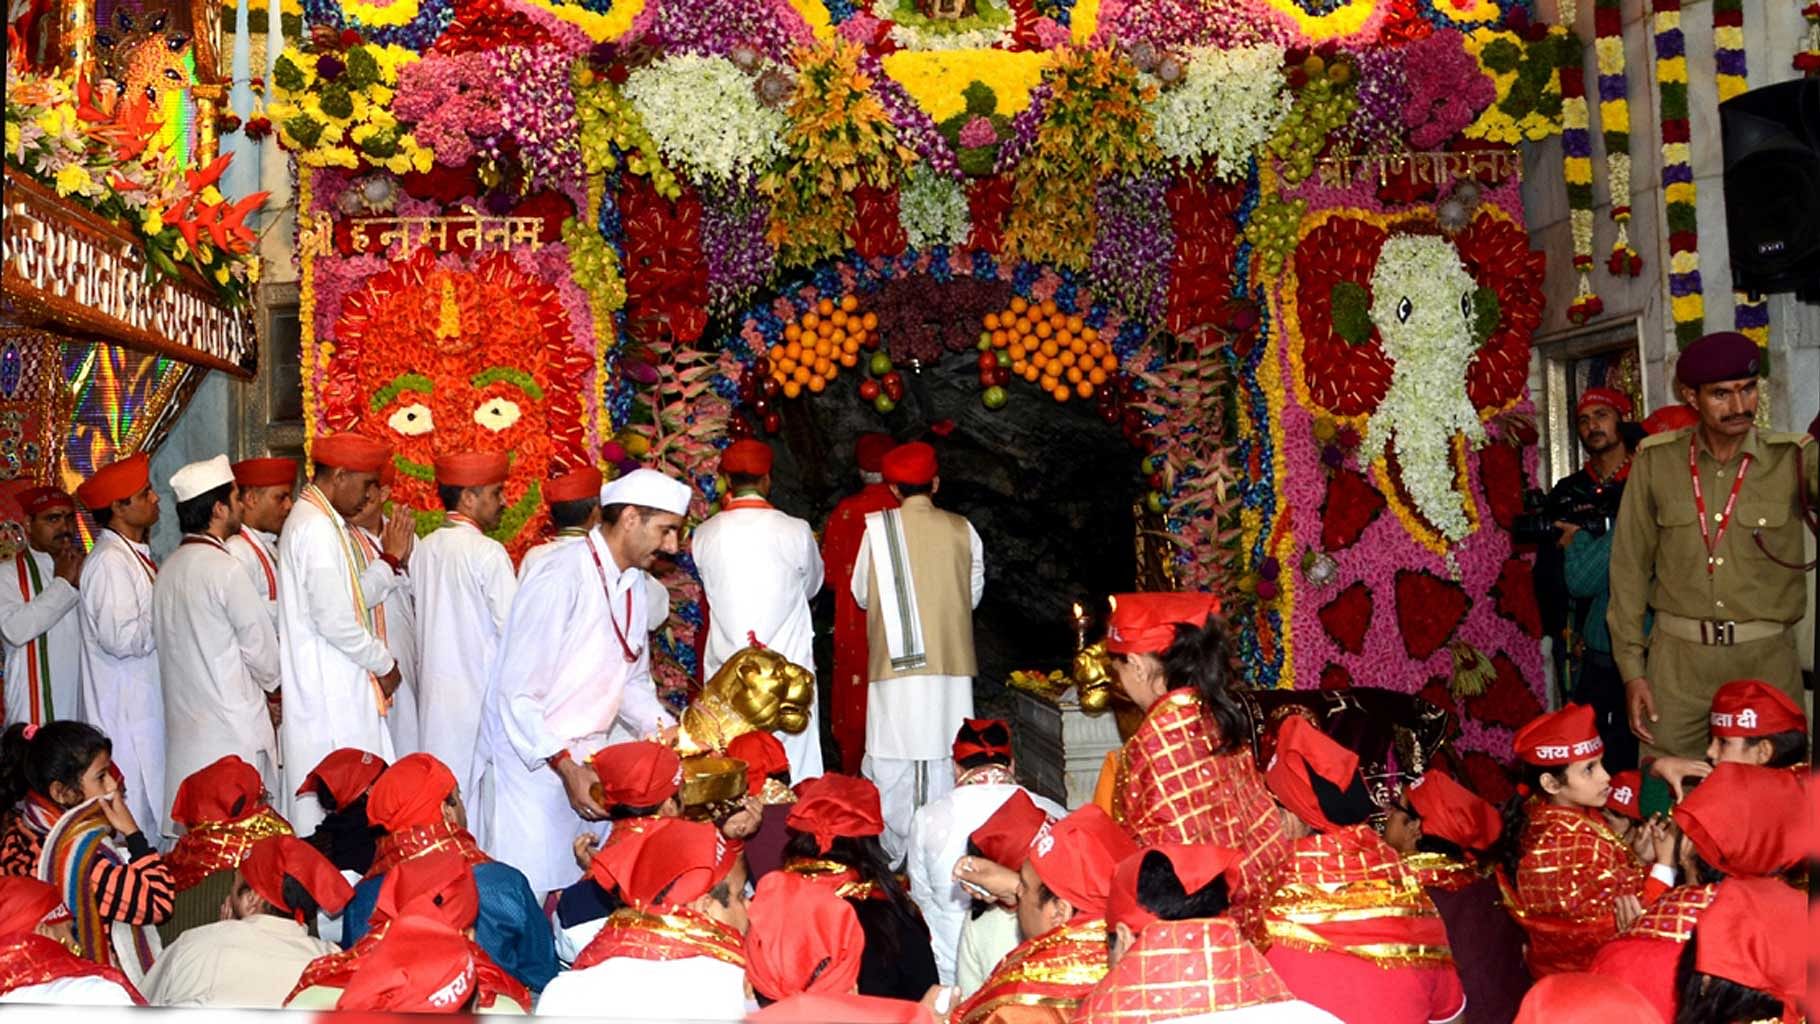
(1709, 537)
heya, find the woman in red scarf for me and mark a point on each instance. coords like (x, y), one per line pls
(36, 965)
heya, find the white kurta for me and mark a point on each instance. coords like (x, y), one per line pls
(563, 682)
(658, 595)
(697, 988)
(394, 606)
(85, 991)
(938, 838)
(257, 553)
(50, 613)
(120, 690)
(328, 657)
(218, 658)
(462, 583)
(759, 569)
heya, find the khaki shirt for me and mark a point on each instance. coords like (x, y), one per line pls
(249, 963)
(1659, 558)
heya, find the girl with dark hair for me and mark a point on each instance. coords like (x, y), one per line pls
(1187, 774)
(1572, 875)
(834, 830)
(1746, 961)
(59, 777)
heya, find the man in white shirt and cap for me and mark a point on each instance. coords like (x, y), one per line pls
(338, 675)
(266, 490)
(38, 617)
(574, 507)
(463, 583)
(120, 692)
(574, 675)
(217, 650)
(394, 615)
(759, 567)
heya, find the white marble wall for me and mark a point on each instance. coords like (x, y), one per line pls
(1773, 31)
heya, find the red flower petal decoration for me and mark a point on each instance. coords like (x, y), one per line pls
(1515, 592)
(1429, 609)
(1352, 504)
(876, 230)
(1438, 693)
(988, 201)
(1347, 617)
(1485, 776)
(1496, 253)
(1501, 477)
(1508, 701)
(1201, 214)
(1335, 677)
(1341, 377)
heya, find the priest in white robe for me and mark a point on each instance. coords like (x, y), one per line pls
(217, 650)
(338, 676)
(574, 507)
(120, 692)
(39, 620)
(759, 568)
(394, 616)
(463, 584)
(267, 488)
(574, 675)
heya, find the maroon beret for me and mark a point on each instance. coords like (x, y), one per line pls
(1726, 355)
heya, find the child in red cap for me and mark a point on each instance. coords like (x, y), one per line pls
(1751, 722)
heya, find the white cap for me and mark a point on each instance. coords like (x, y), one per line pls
(202, 477)
(649, 488)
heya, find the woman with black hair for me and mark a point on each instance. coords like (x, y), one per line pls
(59, 778)
(1187, 774)
(834, 838)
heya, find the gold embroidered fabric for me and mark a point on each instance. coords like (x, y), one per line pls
(1181, 969)
(1347, 891)
(1674, 915)
(212, 846)
(1054, 970)
(675, 935)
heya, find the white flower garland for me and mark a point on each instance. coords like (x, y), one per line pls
(1227, 105)
(911, 37)
(705, 117)
(1422, 305)
(933, 208)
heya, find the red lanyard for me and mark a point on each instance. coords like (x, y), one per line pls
(203, 538)
(150, 567)
(624, 647)
(457, 517)
(265, 563)
(1713, 537)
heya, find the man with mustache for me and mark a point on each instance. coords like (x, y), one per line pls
(1709, 536)
(43, 635)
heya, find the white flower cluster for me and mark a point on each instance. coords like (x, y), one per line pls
(1227, 105)
(1422, 306)
(991, 24)
(705, 117)
(933, 208)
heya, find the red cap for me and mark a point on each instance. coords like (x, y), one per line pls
(410, 793)
(116, 481)
(764, 757)
(1747, 936)
(1005, 837)
(1559, 738)
(988, 736)
(345, 773)
(801, 937)
(1145, 623)
(1075, 858)
(273, 472)
(356, 453)
(421, 966)
(24, 904)
(832, 805)
(747, 457)
(1586, 997)
(1626, 789)
(39, 500)
(1670, 417)
(472, 469)
(388, 472)
(1617, 400)
(1750, 708)
(1452, 812)
(638, 774)
(439, 885)
(1305, 752)
(1747, 820)
(575, 485)
(670, 862)
(1196, 866)
(870, 450)
(912, 464)
(274, 857)
(227, 790)
(1725, 355)
(848, 1009)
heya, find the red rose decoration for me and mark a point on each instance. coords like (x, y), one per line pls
(1438, 693)
(1347, 617)
(1341, 377)
(1485, 776)
(446, 185)
(1335, 677)
(552, 208)
(1496, 253)
(1515, 592)
(1501, 476)
(1429, 609)
(666, 273)
(1508, 701)
(1352, 504)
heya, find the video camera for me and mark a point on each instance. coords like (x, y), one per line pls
(1593, 512)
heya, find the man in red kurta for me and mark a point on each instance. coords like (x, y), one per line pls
(841, 541)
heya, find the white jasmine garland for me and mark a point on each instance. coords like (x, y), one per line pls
(1421, 303)
(933, 208)
(994, 24)
(1227, 105)
(705, 117)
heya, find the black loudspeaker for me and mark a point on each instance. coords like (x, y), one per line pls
(1772, 187)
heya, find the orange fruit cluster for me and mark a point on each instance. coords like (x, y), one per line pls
(826, 339)
(1052, 349)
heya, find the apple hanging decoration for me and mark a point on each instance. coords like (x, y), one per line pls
(1048, 346)
(824, 340)
(885, 388)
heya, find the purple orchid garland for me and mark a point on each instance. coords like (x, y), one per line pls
(1130, 260)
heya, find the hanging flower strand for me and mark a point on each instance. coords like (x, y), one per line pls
(1807, 59)
(1750, 317)
(1684, 288)
(1576, 169)
(1614, 121)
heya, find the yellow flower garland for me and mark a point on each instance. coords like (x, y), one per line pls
(1346, 20)
(935, 79)
(1084, 21)
(392, 15)
(306, 312)
(815, 13)
(602, 28)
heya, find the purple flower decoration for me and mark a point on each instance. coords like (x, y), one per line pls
(1130, 261)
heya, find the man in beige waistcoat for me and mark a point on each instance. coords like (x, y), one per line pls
(919, 576)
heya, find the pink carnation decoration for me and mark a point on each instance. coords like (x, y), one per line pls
(861, 28)
(978, 132)
(1051, 33)
(1447, 89)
